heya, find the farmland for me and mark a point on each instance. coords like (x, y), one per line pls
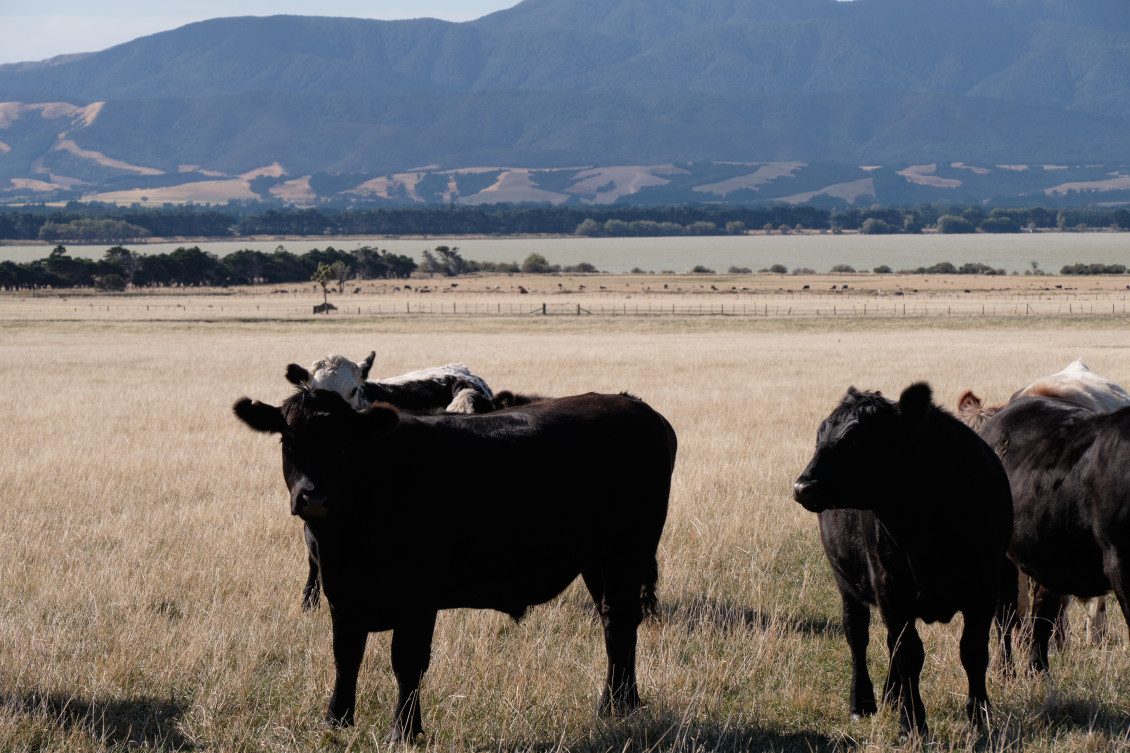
(151, 572)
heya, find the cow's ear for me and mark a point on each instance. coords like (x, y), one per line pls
(367, 364)
(380, 419)
(968, 401)
(460, 385)
(297, 375)
(260, 416)
(915, 400)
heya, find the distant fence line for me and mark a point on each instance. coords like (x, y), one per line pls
(774, 310)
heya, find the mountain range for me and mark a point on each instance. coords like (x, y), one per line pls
(593, 101)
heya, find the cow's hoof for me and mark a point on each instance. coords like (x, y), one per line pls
(618, 707)
(978, 712)
(913, 732)
(865, 709)
(398, 735)
(338, 721)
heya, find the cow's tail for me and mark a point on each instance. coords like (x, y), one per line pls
(648, 602)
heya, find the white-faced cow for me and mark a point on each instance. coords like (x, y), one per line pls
(906, 532)
(585, 492)
(1071, 500)
(423, 390)
(1075, 385)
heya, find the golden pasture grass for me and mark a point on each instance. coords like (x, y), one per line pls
(150, 572)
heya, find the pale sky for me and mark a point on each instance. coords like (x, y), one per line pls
(41, 29)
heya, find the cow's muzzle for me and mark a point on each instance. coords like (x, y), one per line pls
(807, 493)
(308, 504)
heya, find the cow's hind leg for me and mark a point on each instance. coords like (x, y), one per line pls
(620, 613)
(857, 626)
(594, 582)
(1096, 619)
(975, 659)
(1117, 568)
(411, 655)
(1045, 612)
(1008, 609)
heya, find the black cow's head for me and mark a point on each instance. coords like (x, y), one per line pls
(321, 437)
(859, 450)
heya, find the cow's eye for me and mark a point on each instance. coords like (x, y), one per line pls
(353, 392)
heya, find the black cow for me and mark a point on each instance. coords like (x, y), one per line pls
(452, 387)
(1071, 501)
(585, 493)
(906, 530)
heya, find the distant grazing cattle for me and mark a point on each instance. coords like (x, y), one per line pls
(1076, 385)
(585, 492)
(906, 532)
(324, 308)
(1071, 498)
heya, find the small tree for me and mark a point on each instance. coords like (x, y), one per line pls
(323, 276)
(536, 264)
(340, 272)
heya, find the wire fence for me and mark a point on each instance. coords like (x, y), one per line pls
(779, 307)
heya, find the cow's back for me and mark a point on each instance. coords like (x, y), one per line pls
(504, 509)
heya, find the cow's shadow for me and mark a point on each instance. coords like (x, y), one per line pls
(666, 730)
(139, 722)
(728, 615)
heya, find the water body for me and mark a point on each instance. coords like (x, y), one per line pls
(1013, 252)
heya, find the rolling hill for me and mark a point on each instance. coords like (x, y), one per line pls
(309, 108)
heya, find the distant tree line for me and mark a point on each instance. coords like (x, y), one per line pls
(119, 267)
(97, 222)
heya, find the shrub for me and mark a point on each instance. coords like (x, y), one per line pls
(739, 270)
(1000, 225)
(882, 269)
(110, 282)
(698, 269)
(875, 226)
(536, 264)
(583, 268)
(843, 269)
(779, 269)
(804, 271)
(1093, 269)
(951, 223)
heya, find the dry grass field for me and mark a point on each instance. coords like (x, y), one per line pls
(150, 572)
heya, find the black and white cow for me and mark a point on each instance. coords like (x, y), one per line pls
(423, 390)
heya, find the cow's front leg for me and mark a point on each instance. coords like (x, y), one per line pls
(312, 587)
(856, 622)
(975, 660)
(349, 650)
(907, 657)
(411, 655)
